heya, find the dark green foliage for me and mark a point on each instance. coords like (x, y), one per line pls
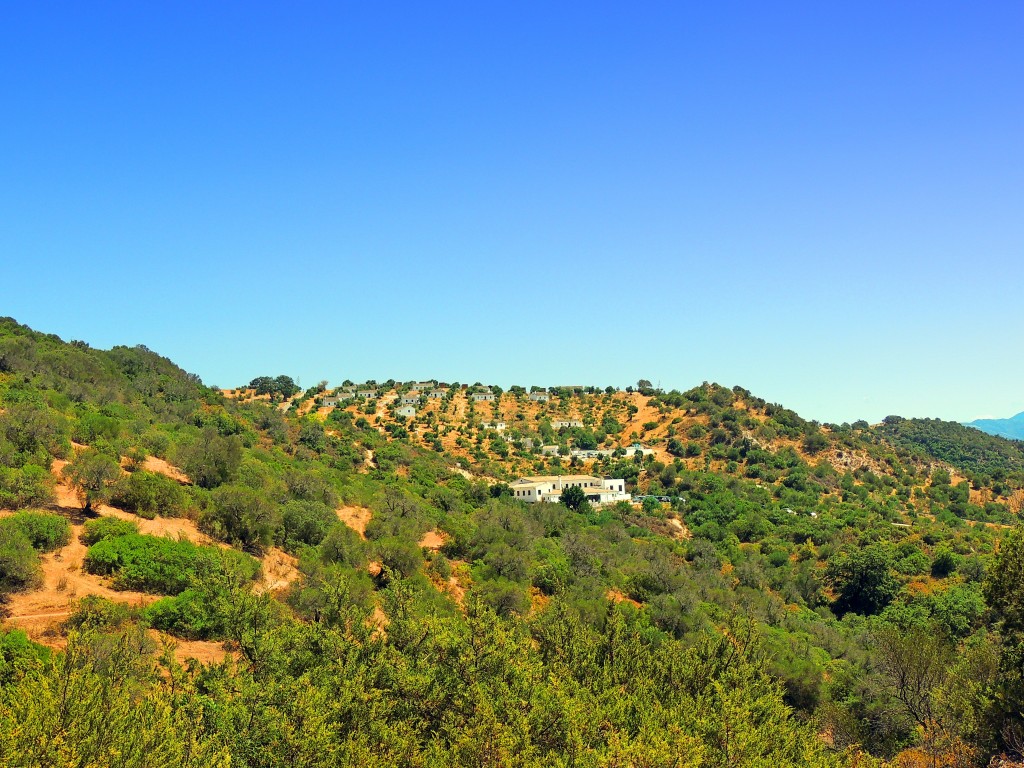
(25, 486)
(944, 563)
(283, 386)
(19, 562)
(18, 655)
(93, 474)
(242, 516)
(863, 581)
(967, 449)
(94, 612)
(190, 615)
(44, 530)
(573, 497)
(399, 556)
(305, 522)
(107, 528)
(31, 432)
(342, 545)
(212, 459)
(149, 494)
(162, 566)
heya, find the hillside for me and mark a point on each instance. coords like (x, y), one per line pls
(917, 465)
(266, 577)
(1012, 428)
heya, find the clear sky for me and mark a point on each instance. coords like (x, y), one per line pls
(821, 202)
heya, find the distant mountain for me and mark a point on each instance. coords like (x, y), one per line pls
(1011, 428)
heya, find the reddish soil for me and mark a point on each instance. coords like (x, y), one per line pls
(355, 518)
(433, 540)
(616, 596)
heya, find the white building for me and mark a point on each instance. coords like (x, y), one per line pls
(411, 399)
(437, 394)
(406, 411)
(570, 423)
(549, 450)
(497, 426)
(329, 401)
(540, 397)
(548, 488)
(483, 396)
(366, 393)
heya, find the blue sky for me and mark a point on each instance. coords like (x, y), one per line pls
(820, 202)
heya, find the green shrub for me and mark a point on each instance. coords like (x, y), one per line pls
(343, 545)
(945, 563)
(30, 485)
(148, 494)
(17, 654)
(46, 531)
(241, 516)
(162, 566)
(189, 615)
(305, 522)
(19, 562)
(107, 528)
(95, 612)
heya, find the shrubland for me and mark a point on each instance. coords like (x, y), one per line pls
(818, 595)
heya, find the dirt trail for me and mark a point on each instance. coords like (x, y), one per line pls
(41, 611)
(682, 533)
(205, 651)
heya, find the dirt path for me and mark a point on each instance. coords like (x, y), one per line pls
(40, 612)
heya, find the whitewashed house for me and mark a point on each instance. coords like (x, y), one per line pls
(437, 394)
(539, 397)
(548, 488)
(487, 396)
(497, 426)
(366, 394)
(569, 423)
(405, 411)
(410, 399)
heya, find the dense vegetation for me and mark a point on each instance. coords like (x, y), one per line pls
(811, 594)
